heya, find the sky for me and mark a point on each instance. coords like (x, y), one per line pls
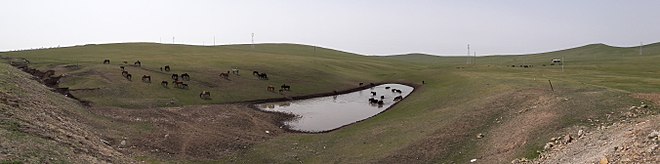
(369, 27)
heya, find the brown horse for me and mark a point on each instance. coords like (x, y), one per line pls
(271, 88)
(167, 68)
(146, 78)
(163, 83)
(106, 61)
(138, 63)
(224, 75)
(285, 87)
(185, 76)
(175, 76)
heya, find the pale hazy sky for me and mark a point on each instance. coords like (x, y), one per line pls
(372, 27)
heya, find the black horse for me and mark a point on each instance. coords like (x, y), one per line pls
(255, 73)
(163, 83)
(129, 77)
(146, 78)
(167, 68)
(122, 68)
(137, 63)
(185, 76)
(285, 87)
(175, 76)
(106, 61)
(124, 73)
(263, 76)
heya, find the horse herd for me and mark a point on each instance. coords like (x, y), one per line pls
(374, 101)
(177, 80)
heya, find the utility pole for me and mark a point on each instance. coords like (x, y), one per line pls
(252, 40)
(172, 40)
(563, 62)
(213, 40)
(468, 55)
(475, 58)
(641, 44)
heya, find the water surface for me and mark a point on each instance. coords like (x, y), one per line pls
(331, 112)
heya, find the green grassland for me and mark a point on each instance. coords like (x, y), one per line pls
(449, 98)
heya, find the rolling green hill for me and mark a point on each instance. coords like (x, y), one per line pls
(435, 124)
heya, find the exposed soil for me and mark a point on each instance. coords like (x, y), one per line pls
(192, 132)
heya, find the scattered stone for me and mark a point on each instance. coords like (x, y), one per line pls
(567, 139)
(123, 143)
(105, 142)
(267, 132)
(479, 136)
(654, 135)
(548, 146)
(580, 133)
(473, 160)
(632, 107)
(604, 160)
(644, 106)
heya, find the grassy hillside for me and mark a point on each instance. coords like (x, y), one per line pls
(435, 124)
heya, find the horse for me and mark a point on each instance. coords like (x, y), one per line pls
(129, 76)
(125, 62)
(124, 73)
(285, 87)
(423, 82)
(205, 95)
(184, 86)
(167, 68)
(263, 76)
(146, 78)
(234, 71)
(161, 69)
(373, 93)
(361, 84)
(382, 97)
(175, 76)
(398, 98)
(138, 63)
(185, 76)
(224, 75)
(373, 101)
(122, 67)
(387, 87)
(106, 61)
(177, 84)
(255, 73)
(270, 88)
(163, 83)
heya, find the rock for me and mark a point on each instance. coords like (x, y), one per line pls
(632, 107)
(548, 146)
(123, 143)
(567, 139)
(105, 142)
(654, 135)
(580, 133)
(644, 106)
(604, 160)
(479, 136)
(473, 160)
(267, 132)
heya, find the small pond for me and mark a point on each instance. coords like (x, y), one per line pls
(332, 112)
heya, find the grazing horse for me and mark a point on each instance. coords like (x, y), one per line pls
(263, 76)
(167, 68)
(175, 76)
(382, 97)
(161, 69)
(185, 76)
(423, 82)
(122, 67)
(163, 83)
(373, 101)
(205, 95)
(184, 86)
(129, 76)
(234, 71)
(398, 98)
(270, 88)
(373, 93)
(361, 84)
(224, 75)
(138, 63)
(255, 73)
(106, 61)
(146, 78)
(285, 87)
(124, 73)
(125, 62)
(178, 84)
(387, 87)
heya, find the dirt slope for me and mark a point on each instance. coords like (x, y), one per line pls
(40, 126)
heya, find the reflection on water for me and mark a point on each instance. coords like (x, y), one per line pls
(331, 112)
